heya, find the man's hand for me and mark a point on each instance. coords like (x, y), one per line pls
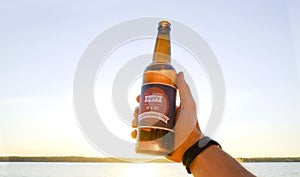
(187, 130)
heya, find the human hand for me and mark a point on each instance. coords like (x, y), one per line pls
(187, 130)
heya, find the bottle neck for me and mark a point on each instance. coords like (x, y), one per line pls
(162, 51)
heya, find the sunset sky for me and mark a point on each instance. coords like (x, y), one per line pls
(257, 44)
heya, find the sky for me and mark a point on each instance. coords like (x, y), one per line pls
(257, 44)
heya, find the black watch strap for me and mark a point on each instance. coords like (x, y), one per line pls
(196, 149)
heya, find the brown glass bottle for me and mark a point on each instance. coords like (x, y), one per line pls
(157, 109)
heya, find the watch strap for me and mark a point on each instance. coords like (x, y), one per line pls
(196, 149)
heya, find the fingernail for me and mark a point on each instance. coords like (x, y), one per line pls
(181, 73)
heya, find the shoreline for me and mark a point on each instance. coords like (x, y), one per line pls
(126, 160)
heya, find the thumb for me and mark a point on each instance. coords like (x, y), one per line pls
(186, 98)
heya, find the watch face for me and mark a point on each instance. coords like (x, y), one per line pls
(204, 141)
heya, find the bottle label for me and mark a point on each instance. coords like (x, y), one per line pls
(157, 107)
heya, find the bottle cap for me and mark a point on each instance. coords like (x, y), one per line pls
(164, 25)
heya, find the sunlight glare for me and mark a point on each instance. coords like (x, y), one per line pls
(142, 169)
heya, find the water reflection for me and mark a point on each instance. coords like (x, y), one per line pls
(140, 169)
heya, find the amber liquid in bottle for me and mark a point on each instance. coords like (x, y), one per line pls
(157, 109)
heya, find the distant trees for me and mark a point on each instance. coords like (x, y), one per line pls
(113, 160)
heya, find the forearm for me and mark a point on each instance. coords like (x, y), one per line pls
(214, 162)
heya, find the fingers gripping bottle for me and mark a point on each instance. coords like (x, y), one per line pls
(157, 111)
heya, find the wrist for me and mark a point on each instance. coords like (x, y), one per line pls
(190, 155)
(189, 142)
(200, 159)
(192, 139)
(182, 147)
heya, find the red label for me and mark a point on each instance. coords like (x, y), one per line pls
(154, 99)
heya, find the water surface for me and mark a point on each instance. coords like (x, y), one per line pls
(45, 169)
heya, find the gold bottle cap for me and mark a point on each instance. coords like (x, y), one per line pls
(164, 25)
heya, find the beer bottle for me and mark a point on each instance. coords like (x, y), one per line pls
(156, 118)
